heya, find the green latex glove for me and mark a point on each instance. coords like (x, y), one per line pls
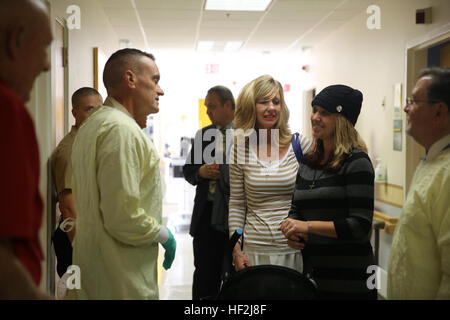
(170, 246)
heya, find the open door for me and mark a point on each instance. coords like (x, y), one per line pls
(422, 53)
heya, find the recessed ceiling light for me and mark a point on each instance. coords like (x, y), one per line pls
(205, 45)
(237, 5)
(124, 43)
(232, 46)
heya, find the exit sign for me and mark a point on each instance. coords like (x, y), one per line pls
(211, 68)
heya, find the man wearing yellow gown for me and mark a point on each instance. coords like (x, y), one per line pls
(117, 187)
(419, 265)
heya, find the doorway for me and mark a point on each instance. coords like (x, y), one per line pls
(428, 51)
(308, 97)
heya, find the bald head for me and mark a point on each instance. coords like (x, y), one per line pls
(15, 9)
(25, 34)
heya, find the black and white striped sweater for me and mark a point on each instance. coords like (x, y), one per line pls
(339, 266)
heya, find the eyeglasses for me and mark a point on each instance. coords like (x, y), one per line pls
(411, 100)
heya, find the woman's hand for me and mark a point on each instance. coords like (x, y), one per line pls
(293, 228)
(240, 261)
(298, 241)
(239, 258)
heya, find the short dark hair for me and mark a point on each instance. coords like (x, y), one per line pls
(439, 87)
(224, 94)
(83, 92)
(119, 61)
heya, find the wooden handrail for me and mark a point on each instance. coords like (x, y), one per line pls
(389, 221)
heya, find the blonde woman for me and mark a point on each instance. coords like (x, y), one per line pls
(262, 176)
(332, 206)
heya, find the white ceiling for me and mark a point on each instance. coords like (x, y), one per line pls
(180, 24)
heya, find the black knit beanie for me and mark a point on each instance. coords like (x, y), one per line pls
(340, 99)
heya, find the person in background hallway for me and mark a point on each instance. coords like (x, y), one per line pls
(117, 187)
(84, 100)
(24, 29)
(332, 206)
(261, 188)
(209, 227)
(419, 263)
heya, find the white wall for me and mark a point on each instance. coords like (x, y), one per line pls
(95, 31)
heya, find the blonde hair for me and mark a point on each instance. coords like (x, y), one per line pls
(259, 89)
(346, 140)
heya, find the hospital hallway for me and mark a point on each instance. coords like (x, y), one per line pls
(377, 47)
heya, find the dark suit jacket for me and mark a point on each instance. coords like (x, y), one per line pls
(190, 171)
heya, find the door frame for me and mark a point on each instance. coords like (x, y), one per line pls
(51, 193)
(415, 60)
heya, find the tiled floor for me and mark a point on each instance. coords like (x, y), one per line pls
(176, 283)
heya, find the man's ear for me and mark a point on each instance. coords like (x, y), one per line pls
(442, 113)
(441, 109)
(74, 112)
(15, 39)
(130, 78)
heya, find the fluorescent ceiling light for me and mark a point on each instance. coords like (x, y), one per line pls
(205, 45)
(237, 5)
(232, 46)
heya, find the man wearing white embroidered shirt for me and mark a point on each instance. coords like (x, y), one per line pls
(419, 265)
(117, 187)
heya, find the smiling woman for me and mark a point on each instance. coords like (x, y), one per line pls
(333, 199)
(261, 188)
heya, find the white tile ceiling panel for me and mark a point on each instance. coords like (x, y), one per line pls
(285, 26)
(160, 14)
(118, 16)
(169, 43)
(169, 4)
(288, 24)
(130, 31)
(169, 46)
(225, 25)
(124, 4)
(262, 48)
(231, 16)
(162, 27)
(179, 36)
(220, 36)
(298, 9)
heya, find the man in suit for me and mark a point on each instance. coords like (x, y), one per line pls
(205, 167)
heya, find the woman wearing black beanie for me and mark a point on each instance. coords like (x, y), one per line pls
(332, 206)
